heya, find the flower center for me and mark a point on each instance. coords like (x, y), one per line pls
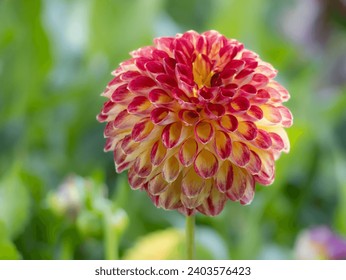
(202, 73)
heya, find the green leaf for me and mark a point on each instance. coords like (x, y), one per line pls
(14, 203)
(7, 249)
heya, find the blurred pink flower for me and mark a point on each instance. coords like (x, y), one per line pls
(320, 243)
(196, 120)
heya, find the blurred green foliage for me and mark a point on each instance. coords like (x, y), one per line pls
(56, 57)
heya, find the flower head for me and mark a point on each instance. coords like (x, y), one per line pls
(196, 119)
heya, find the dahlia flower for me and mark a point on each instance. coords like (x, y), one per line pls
(196, 119)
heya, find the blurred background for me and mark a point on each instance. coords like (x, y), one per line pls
(60, 197)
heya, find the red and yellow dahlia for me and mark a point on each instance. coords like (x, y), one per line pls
(196, 119)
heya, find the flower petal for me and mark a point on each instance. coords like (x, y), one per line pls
(142, 130)
(157, 184)
(121, 94)
(159, 115)
(204, 132)
(224, 177)
(240, 153)
(158, 153)
(249, 191)
(267, 172)
(141, 84)
(188, 117)
(254, 165)
(206, 164)
(247, 129)
(263, 139)
(171, 169)
(228, 122)
(240, 177)
(139, 105)
(222, 144)
(135, 181)
(192, 184)
(240, 104)
(195, 201)
(159, 97)
(255, 112)
(214, 204)
(124, 120)
(247, 89)
(287, 118)
(142, 165)
(171, 135)
(271, 113)
(188, 152)
(214, 111)
(128, 146)
(170, 197)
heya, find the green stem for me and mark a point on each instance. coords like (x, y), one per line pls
(190, 237)
(110, 239)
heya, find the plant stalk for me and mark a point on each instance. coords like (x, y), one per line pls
(190, 237)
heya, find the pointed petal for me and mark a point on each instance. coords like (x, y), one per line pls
(271, 113)
(195, 201)
(267, 172)
(224, 177)
(188, 152)
(128, 145)
(240, 153)
(158, 115)
(222, 144)
(259, 80)
(158, 153)
(121, 94)
(243, 73)
(142, 130)
(214, 111)
(166, 81)
(171, 169)
(159, 97)
(240, 104)
(263, 139)
(124, 120)
(239, 183)
(214, 204)
(154, 67)
(171, 135)
(204, 132)
(249, 192)
(142, 165)
(247, 90)
(247, 129)
(254, 165)
(170, 197)
(229, 123)
(281, 132)
(277, 142)
(255, 112)
(192, 184)
(141, 84)
(188, 117)
(135, 181)
(118, 155)
(287, 118)
(206, 164)
(157, 184)
(139, 105)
